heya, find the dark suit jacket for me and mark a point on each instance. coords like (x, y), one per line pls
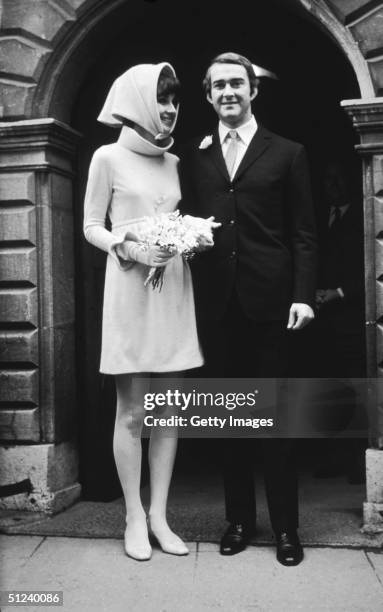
(342, 265)
(266, 247)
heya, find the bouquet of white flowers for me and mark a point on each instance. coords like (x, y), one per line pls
(176, 234)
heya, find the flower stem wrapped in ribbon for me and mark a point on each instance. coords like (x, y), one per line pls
(174, 233)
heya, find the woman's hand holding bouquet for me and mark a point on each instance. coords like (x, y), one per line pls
(153, 256)
(161, 237)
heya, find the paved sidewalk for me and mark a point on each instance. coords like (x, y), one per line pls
(95, 575)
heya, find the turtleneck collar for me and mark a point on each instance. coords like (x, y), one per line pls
(130, 139)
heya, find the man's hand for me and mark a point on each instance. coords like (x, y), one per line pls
(205, 239)
(204, 243)
(319, 294)
(300, 315)
(324, 296)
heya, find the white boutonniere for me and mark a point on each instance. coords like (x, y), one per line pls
(206, 142)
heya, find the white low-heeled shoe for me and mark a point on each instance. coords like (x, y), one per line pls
(138, 552)
(172, 545)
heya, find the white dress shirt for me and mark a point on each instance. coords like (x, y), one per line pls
(245, 134)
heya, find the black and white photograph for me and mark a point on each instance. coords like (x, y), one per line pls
(191, 305)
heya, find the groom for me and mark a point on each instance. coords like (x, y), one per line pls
(257, 282)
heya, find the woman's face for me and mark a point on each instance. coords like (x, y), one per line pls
(167, 108)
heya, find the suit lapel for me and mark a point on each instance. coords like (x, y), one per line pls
(214, 153)
(256, 148)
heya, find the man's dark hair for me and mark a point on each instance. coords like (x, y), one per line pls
(231, 58)
(168, 83)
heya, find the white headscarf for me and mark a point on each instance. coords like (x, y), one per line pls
(133, 96)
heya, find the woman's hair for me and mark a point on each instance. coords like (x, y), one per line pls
(167, 83)
(231, 58)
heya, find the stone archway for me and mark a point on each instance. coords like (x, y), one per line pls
(42, 41)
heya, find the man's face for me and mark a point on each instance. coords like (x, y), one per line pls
(230, 93)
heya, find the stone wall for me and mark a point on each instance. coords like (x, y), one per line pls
(37, 317)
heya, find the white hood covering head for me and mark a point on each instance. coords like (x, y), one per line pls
(133, 96)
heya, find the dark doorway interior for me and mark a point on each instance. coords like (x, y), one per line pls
(303, 105)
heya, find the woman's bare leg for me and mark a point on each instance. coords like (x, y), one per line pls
(162, 452)
(127, 453)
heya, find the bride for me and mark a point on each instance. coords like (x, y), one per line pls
(146, 334)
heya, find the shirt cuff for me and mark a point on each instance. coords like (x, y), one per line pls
(340, 291)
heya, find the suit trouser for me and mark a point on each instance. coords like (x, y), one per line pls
(238, 347)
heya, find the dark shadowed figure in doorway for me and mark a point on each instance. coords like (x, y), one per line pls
(339, 327)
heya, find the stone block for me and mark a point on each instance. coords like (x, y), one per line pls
(376, 70)
(20, 56)
(379, 343)
(379, 282)
(379, 299)
(368, 32)
(19, 346)
(17, 187)
(52, 471)
(57, 344)
(62, 465)
(372, 518)
(378, 247)
(20, 425)
(18, 264)
(377, 168)
(19, 386)
(38, 153)
(65, 407)
(63, 266)
(43, 18)
(56, 227)
(19, 306)
(374, 473)
(15, 98)
(43, 143)
(18, 223)
(61, 193)
(343, 8)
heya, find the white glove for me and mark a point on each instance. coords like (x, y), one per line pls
(153, 256)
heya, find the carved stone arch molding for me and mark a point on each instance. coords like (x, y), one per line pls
(40, 42)
(39, 38)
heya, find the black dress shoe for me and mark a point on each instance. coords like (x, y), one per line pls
(235, 539)
(289, 548)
